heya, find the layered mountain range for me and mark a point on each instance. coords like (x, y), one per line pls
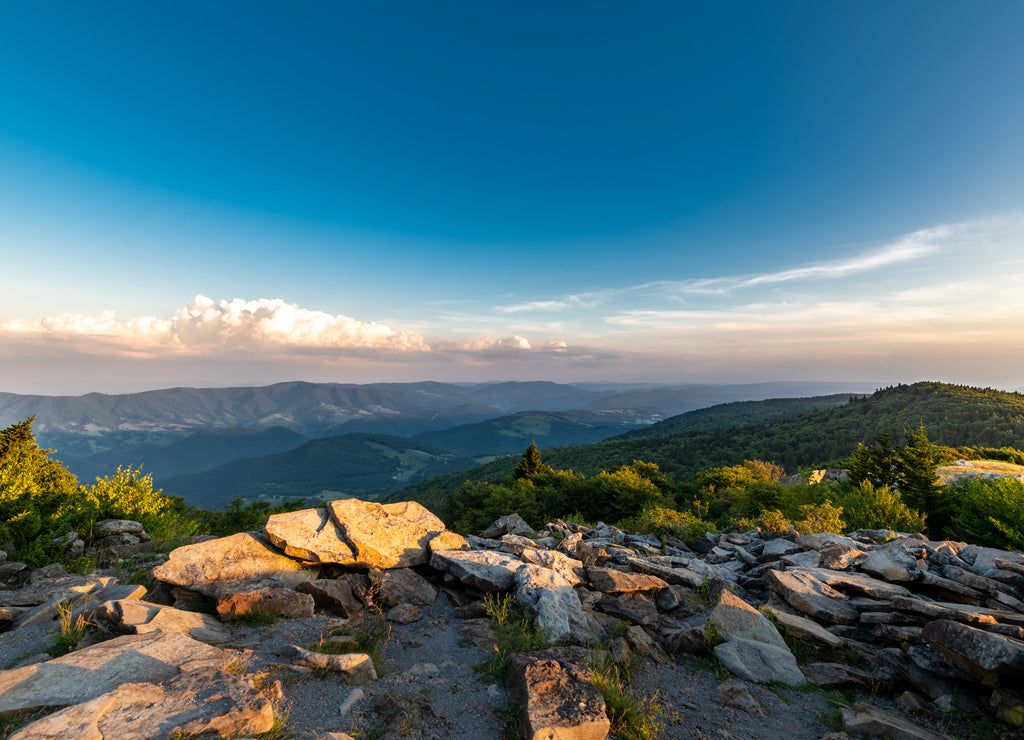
(211, 445)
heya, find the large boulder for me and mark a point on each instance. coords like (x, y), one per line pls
(240, 562)
(389, 535)
(309, 534)
(556, 696)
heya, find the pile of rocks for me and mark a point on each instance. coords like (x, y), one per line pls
(942, 622)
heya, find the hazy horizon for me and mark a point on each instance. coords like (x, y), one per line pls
(217, 195)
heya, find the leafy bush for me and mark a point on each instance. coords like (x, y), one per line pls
(661, 520)
(773, 521)
(820, 518)
(866, 507)
(986, 511)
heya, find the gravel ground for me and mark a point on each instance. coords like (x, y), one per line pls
(429, 690)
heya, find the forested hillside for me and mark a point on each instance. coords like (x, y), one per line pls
(952, 415)
(739, 414)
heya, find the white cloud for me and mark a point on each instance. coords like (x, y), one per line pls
(204, 326)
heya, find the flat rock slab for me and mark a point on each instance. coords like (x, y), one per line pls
(944, 610)
(759, 662)
(859, 582)
(195, 703)
(229, 564)
(310, 535)
(806, 628)
(564, 565)
(90, 672)
(811, 596)
(556, 695)
(611, 581)
(141, 617)
(485, 569)
(984, 655)
(389, 535)
(870, 720)
(892, 562)
(677, 576)
(67, 588)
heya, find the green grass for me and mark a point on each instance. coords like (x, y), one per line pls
(631, 717)
(256, 618)
(514, 632)
(71, 632)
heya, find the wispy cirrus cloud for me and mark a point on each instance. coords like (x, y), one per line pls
(913, 246)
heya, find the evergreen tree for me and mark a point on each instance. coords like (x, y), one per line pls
(917, 462)
(530, 464)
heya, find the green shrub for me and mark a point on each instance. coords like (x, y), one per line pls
(867, 507)
(986, 511)
(820, 518)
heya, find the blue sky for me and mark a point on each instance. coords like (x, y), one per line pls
(198, 193)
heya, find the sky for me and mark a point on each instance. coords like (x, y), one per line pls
(241, 193)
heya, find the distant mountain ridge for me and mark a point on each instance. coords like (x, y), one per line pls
(190, 430)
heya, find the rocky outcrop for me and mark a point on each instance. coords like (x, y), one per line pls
(943, 620)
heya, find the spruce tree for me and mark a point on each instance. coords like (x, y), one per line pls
(530, 464)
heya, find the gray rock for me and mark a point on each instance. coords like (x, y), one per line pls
(402, 586)
(282, 602)
(139, 617)
(508, 524)
(354, 666)
(309, 534)
(555, 605)
(984, 655)
(389, 535)
(484, 569)
(759, 662)
(333, 596)
(739, 695)
(811, 596)
(892, 562)
(858, 582)
(607, 580)
(806, 628)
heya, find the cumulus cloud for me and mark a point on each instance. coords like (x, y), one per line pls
(243, 328)
(205, 325)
